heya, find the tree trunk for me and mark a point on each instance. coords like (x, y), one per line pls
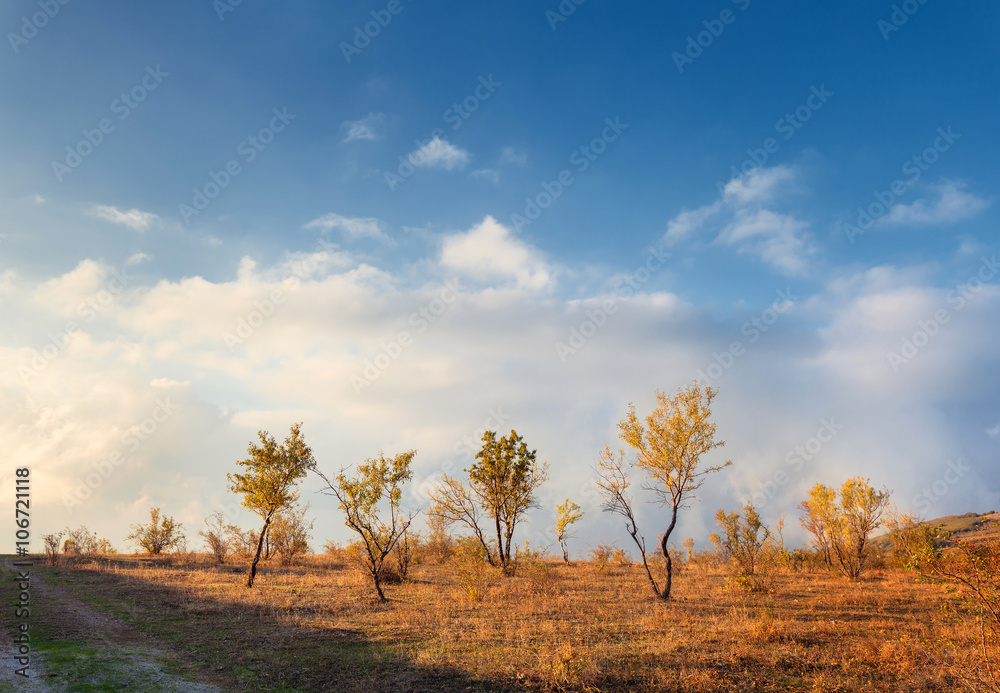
(666, 554)
(565, 554)
(260, 546)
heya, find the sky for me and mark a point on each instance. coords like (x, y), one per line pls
(402, 223)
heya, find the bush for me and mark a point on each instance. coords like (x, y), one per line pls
(972, 573)
(471, 568)
(160, 534)
(289, 534)
(218, 538)
(746, 544)
(52, 547)
(82, 542)
(404, 552)
(600, 555)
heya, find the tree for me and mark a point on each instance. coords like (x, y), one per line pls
(378, 481)
(160, 534)
(502, 485)
(219, 537)
(841, 527)
(52, 547)
(269, 482)
(668, 448)
(566, 514)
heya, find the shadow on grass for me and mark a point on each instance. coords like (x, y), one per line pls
(247, 647)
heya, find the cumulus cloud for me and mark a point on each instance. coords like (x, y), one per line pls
(490, 175)
(440, 153)
(367, 128)
(952, 205)
(132, 218)
(489, 250)
(509, 156)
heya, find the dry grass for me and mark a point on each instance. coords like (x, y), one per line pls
(553, 626)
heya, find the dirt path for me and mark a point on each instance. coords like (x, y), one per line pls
(91, 651)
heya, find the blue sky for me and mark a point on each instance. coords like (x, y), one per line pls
(623, 126)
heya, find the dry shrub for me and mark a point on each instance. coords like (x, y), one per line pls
(622, 557)
(601, 555)
(541, 578)
(471, 569)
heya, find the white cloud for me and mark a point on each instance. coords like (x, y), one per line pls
(491, 347)
(487, 174)
(132, 218)
(741, 218)
(439, 153)
(366, 128)
(509, 156)
(489, 250)
(136, 258)
(353, 227)
(993, 432)
(953, 204)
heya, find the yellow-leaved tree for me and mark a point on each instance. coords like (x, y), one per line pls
(269, 481)
(842, 525)
(566, 514)
(668, 444)
(364, 498)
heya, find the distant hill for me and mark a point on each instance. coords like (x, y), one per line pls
(968, 527)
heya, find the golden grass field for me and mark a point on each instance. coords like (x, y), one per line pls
(317, 626)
